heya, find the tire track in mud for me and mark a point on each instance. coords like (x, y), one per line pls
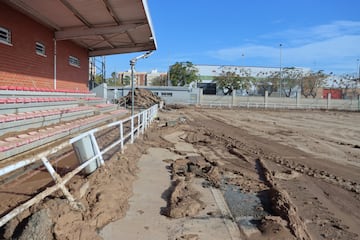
(325, 223)
(349, 185)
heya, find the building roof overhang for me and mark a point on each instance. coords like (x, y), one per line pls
(104, 27)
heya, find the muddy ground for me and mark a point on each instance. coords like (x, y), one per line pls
(291, 174)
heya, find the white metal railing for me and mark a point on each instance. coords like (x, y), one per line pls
(144, 119)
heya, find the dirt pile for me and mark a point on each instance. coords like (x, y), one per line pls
(38, 227)
(143, 98)
(184, 201)
(196, 166)
(283, 206)
(102, 204)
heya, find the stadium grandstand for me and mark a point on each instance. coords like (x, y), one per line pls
(45, 48)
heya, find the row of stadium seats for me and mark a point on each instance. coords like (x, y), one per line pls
(21, 88)
(36, 114)
(32, 117)
(11, 100)
(22, 139)
(18, 143)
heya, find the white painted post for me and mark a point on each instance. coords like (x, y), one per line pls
(59, 182)
(328, 103)
(298, 98)
(143, 122)
(266, 99)
(200, 98)
(132, 130)
(138, 126)
(146, 119)
(122, 136)
(233, 98)
(57, 179)
(97, 150)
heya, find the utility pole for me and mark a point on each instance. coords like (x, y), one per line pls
(358, 63)
(132, 64)
(280, 68)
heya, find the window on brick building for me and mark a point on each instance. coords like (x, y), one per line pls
(74, 61)
(40, 49)
(5, 36)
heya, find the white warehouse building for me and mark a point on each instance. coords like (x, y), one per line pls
(208, 72)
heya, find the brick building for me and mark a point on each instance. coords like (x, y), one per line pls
(142, 78)
(47, 44)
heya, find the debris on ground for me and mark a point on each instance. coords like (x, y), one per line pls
(183, 201)
(143, 98)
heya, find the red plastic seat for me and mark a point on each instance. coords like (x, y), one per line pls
(21, 116)
(5, 146)
(19, 100)
(23, 139)
(11, 100)
(10, 117)
(27, 100)
(33, 137)
(29, 115)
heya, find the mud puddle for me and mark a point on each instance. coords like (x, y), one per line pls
(247, 209)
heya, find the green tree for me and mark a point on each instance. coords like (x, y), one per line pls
(267, 81)
(183, 73)
(290, 79)
(113, 80)
(229, 80)
(158, 81)
(99, 79)
(311, 82)
(348, 83)
(126, 81)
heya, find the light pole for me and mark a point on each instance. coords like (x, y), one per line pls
(132, 64)
(358, 65)
(357, 81)
(280, 68)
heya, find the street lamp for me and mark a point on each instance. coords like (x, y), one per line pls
(280, 68)
(132, 64)
(358, 63)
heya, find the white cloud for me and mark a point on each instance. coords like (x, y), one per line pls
(332, 47)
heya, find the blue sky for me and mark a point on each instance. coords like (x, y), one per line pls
(317, 34)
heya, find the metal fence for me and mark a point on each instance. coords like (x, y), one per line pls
(129, 128)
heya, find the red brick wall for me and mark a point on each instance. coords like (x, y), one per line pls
(70, 77)
(141, 79)
(21, 66)
(335, 93)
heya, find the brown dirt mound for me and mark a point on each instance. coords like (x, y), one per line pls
(184, 201)
(143, 98)
(283, 206)
(102, 204)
